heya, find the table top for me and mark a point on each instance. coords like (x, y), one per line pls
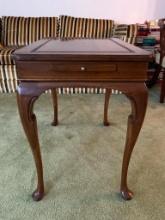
(82, 49)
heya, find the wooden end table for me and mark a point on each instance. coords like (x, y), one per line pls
(109, 63)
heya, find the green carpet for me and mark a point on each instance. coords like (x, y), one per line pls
(82, 161)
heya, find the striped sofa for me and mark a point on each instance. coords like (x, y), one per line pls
(127, 33)
(16, 32)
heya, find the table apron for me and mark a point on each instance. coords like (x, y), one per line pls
(83, 71)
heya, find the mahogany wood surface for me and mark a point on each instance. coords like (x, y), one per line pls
(162, 55)
(55, 107)
(106, 103)
(110, 64)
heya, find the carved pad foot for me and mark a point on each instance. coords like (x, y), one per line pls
(106, 123)
(37, 195)
(126, 194)
(54, 123)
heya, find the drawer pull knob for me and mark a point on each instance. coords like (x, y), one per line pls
(82, 68)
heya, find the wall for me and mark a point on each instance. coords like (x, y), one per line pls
(121, 10)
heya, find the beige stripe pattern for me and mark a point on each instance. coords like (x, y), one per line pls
(131, 40)
(20, 31)
(120, 31)
(72, 27)
(5, 56)
(8, 78)
(42, 27)
(132, 30)
(126, 32)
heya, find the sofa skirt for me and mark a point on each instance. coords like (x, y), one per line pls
(8, 83)
(8, 78)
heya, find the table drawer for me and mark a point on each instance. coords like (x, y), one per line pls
(83, 66)
(65, 71)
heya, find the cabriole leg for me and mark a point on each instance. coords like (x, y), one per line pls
(135, 120)
(28, 118)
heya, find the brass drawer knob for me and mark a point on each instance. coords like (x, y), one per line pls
(82, 68)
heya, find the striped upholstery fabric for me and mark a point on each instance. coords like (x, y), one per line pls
(121, 31)
(72, 27)
(8, 78)
(80, 90)
(42, 27)
(126, 32)
(11, 27)
(5, 55)
(132, 30)
(84, 91)
(131, 40)
(132, 33)
(20, 31)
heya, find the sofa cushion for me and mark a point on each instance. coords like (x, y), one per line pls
(5, 55)
(14, 31)
(20, 31)
(72, 27)
(42, 27)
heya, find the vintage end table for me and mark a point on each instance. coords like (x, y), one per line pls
(109, 63)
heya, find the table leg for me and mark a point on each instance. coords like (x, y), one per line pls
(29, 92)
(151, 82)
(162, 92)
(139, 103)
(106, 104)
(25, 106)
(55, 105)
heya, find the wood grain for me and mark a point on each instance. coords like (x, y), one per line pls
(110, 64)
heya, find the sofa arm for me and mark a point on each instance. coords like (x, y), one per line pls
(120, 31)
(126, 32)
(132, 30)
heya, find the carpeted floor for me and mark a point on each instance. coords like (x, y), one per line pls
(82, 161)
